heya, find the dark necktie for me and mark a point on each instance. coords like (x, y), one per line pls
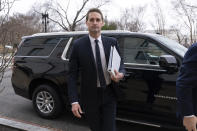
(99, 66)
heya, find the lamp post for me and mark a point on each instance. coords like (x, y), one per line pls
(45, 21)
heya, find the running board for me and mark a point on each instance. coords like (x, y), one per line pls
(137, 122)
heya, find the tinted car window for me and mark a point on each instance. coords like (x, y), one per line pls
(176, 47)
(139, 50)
(37, 46)
(41, 41)
(60, 48)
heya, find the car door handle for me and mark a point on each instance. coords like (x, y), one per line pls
(127, 76)
(19, 61)
(130, 74)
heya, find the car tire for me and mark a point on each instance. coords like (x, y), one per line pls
(46, 102)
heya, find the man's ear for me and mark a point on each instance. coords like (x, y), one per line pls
(103, 23)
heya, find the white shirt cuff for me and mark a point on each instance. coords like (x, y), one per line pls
(74, 103)
(190, 116)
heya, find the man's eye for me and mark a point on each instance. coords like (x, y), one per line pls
(91, 20)
(98, 20)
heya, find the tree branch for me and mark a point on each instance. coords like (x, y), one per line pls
(78, 12)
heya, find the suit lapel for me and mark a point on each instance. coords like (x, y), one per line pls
(89, 51)
(106, 47)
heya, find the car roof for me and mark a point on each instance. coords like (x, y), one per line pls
(72, 33)
(112, 33)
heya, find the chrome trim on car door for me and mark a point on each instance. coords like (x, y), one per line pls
(137, 122)
(144, 67)
(66, 49)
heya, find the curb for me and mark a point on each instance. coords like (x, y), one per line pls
(8, 124)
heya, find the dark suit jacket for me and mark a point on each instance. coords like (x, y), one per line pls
(82, 63)
(186, 85)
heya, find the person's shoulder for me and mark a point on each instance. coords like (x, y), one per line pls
(81, 39)
(191, 52)
(110, 39)
(192, 48)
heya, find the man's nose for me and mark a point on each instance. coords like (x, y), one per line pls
(94, 22)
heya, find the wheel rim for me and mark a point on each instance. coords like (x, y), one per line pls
(45, 102)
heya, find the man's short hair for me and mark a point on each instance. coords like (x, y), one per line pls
(94, 10)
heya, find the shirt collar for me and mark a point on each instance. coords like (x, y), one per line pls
(92, 39)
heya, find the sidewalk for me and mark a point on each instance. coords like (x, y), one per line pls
(8, 124)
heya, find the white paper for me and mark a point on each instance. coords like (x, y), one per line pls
(114, 61)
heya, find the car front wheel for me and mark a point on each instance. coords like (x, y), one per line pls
(46, 102)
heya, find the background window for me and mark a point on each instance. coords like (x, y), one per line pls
(142, 51)
(41, 41)
(37, 46)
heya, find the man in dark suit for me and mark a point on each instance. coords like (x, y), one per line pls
(88, 61)
(186, 89)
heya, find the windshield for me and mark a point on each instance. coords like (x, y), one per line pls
(173, 45)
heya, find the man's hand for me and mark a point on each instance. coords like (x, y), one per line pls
(76, 109)
(117, 77)
(190, 123)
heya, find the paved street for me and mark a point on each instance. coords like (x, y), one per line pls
(16, 107)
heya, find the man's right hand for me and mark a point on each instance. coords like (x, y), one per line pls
(190, 123)
(76, 109)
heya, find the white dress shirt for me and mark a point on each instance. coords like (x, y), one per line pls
(103, 59)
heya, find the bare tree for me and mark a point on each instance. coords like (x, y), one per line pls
(19, 25)
(181, 38)
(5, 53)
(160, 20)
(64, 16)
(187, 14)
(132, 19)
(191, 6)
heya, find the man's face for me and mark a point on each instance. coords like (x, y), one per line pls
(94, 22)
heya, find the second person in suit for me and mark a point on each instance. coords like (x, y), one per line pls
(89, 60)
(186, 89)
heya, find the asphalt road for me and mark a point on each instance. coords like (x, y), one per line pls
(19, 108)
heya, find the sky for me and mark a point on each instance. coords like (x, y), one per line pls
(113, 9)
(24, 5)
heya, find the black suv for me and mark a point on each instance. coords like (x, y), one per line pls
(148, 92)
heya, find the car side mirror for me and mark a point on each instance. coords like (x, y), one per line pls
(169, 63)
